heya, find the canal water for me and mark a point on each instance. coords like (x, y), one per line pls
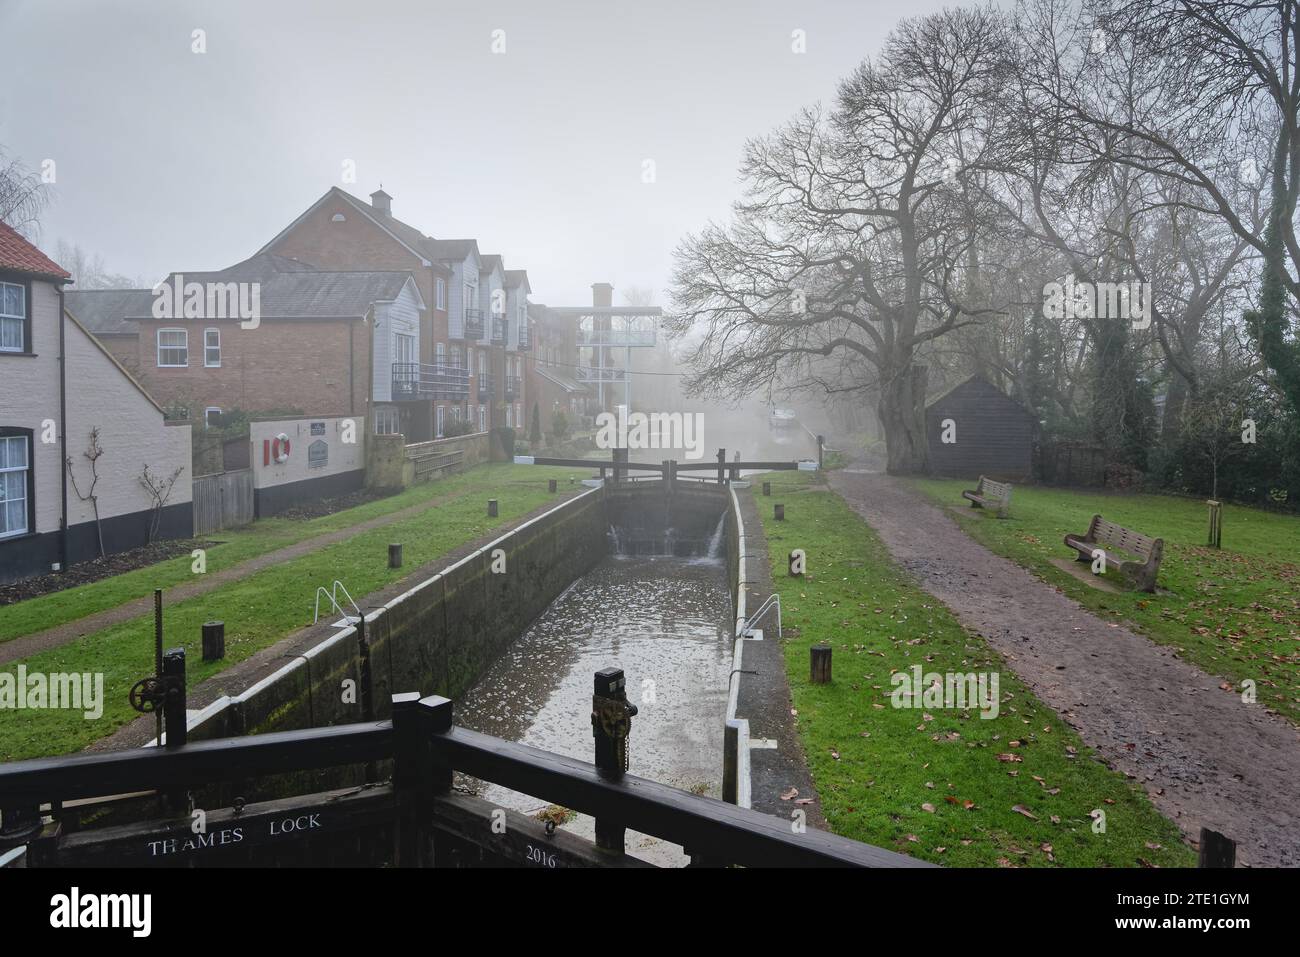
(665, 619)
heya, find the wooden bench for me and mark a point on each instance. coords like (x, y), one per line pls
(1111, 538)
(990, 494)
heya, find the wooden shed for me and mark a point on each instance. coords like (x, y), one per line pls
(975, 429)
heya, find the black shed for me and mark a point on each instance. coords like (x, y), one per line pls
(988, 433)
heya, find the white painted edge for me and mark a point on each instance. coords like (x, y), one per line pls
(743, 784)
(9, 857)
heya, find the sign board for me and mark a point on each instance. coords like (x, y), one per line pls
(318, 428)
(318, 454)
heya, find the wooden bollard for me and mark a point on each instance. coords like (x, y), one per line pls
(214, 640)
(1216, 523)
(1216, 850)
(778, 511)
(492, 508)
(767, 488)
(395, 555)
(820, 664)
(552, 485)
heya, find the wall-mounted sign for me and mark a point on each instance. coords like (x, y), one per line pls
(318, 428)
(318, 454)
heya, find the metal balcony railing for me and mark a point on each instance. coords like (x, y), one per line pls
(597, 374)
(473, 325)
(485, 386)
(425, 380)
(500, 331)
(525, 343)
(611, 338)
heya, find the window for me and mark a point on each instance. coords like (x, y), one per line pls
(455, 358)
(441, 350)
(482, 418)
(13, 317)
(482, 362)
(403, 348)
(440, 294)
(441, 419)
(15, 482)
(510, 416)
(212, 349)
(173, 349)
(212, 417)
(386, 421)
(471, 296)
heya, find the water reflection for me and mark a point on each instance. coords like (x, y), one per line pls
(664, 621)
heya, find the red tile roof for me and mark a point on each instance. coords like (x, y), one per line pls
(19, 255)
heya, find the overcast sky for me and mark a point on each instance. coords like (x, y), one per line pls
(169, 159)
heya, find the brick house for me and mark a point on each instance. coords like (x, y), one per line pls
(57, 384)
(469, 358)
(554, 362)
(324, 342)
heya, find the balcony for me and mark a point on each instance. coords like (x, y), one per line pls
(425, 380)
(513, 388)
(525, 343)
(500, 331)
(485, 384)
(473, 325)
(597, 374)
(616, 338)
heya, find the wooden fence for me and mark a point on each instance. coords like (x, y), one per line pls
(223, 500)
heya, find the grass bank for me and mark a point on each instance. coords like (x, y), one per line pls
(940, 783)
(262, 608)
(1234, 612)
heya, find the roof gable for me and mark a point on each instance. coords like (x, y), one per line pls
(18, 255)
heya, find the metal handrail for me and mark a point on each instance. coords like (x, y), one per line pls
(773, 599)
(332, 595)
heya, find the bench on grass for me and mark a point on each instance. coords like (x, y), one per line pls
(1111, 538)
(992, 495)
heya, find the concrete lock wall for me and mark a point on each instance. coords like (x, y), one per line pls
(438, 637)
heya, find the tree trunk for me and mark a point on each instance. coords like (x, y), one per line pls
(902, 417)
(1171, 424)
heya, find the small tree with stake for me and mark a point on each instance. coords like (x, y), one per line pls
(160, 491)
(92, 455)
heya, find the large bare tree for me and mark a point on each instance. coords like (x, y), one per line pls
(857, 240)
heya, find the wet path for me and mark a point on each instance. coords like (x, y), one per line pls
(666, 622)
(1204, 757)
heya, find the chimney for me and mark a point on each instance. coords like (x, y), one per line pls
(602, 294)
(382, 202)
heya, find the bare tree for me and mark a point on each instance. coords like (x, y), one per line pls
(160, 491)
(856, 240)
(23, 196)
(94, 451)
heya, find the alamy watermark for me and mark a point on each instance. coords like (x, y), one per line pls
(58, 690)
(1129, 300)
(179, 299)
(916, 688)
(653, 430)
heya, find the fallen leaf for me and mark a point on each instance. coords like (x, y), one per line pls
(928, 808)
(1021, 809)
(791, 793)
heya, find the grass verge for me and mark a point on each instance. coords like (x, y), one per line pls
(1234, 612)
(943, 784)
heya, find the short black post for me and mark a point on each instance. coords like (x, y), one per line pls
(821, 441)
(1216, 850)
(492, 508)
(820, 664)
(722, 466)
(611, 724)
(214, 640)
(552, 485)
(395, 555)
(767, 488)
(173, 675)
(778, 512)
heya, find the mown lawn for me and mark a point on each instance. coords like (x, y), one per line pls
(1234, 612)
(239, 545)
(262, 608)
(942, 784)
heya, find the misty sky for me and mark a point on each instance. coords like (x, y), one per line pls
(168, 159)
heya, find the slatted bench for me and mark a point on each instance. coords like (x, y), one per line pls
(992, 495)
(1140, 571)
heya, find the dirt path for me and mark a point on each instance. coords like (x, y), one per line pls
(38, 641)
(1204, 757)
